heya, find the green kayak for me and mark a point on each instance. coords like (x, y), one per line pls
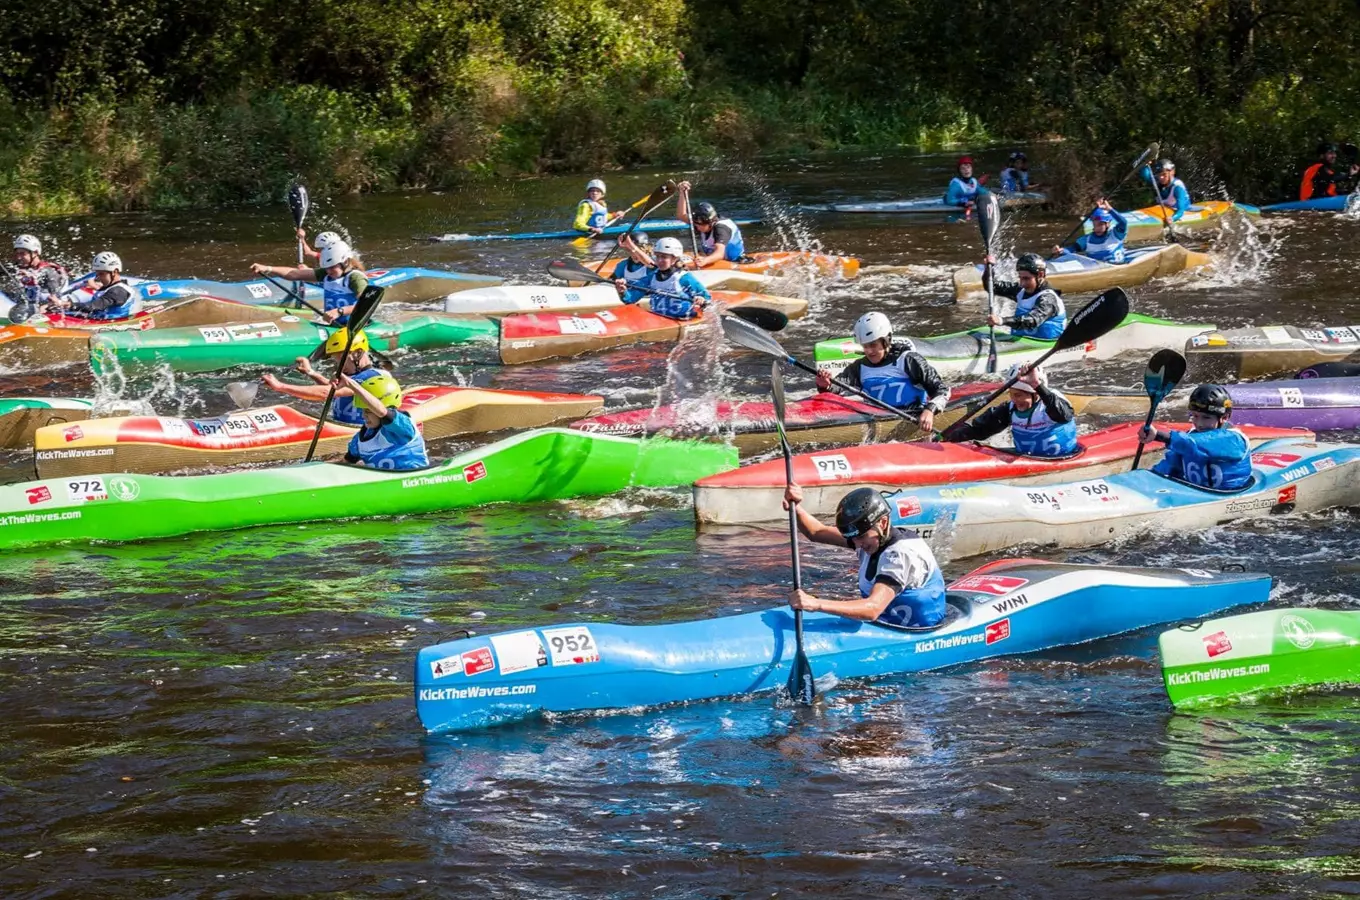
(273, 343)
(965, 352)
(1221, 660)
(545, 464)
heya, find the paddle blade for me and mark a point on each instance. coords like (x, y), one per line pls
(768, 319)
(752, 337)
(802, 686)
(364, 307)
(1095, 319)
(573, 270)
(299, 203)
(243, 393)
(989, 217)
(777, 388)
(1151, 151)
(1164, 371)
(657, 197)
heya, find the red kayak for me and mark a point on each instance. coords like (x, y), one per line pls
(755, 493)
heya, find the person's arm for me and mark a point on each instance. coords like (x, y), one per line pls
(808, 524)
(1182, 200)
(986, 424)
(722, 234)
(51, 282)
(301, 273)
(307, 250)
(682, 201)
(693, 287)
(632, 295)
(1008, 289)
(898, 570)
(316, 393)
(954, 195)
(921, 372)
(849, 375)
(1056, 405)
(359, 391)
(116, 295)
(582, 221)
(1045, 308)
(1121, 224)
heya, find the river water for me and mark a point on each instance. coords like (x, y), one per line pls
(230, 715)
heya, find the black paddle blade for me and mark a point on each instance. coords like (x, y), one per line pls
(299, 203)
(573, 270)
(802, 686)
(989, 217)
(752, 337)
(1164, 371)
(768, 319)
(364, 307)
(1151, 151)
(1330, 370)
(659, 195)
(1095, 319)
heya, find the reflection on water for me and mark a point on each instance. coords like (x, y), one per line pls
(231, 715)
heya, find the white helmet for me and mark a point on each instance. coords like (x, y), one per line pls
(28, 242)
(872, 327)
(328, 239)
(107, 261)
(594, 184)
(335, 255)
(669, 246)
(1016, 371)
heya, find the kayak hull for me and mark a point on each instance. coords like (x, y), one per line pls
(1146, 223)
(981, 517)
(21, 417)
(647, 225)
(933, 206)
(1320, 204)
(281, 433)
(754, 493)
(1258, 653)
(964, 353)
(1077, 274)
(1256, 352)
(510, 299)
(1006, 608)
(546, 464)
(1319, 404)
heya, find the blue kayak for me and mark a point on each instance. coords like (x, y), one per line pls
(649, 226)
(1002, 609)
(405, 284)
(1325, 204)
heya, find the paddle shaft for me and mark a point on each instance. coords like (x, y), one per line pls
(357, 320)
(869, 398)
(801, 685)
(299, 203)
(1137, 165)
(638, 221)
(987, 224)
(1152, 413)
(289, 291)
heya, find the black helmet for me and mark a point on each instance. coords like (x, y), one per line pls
(860, 511)
(705, 212)
(1032, 263)
(1164, 165)
(1326, 147)
(1211, 399)
(1018, 155)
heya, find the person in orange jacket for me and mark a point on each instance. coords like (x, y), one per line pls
(1322, 179)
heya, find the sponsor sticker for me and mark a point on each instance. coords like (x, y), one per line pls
(1313, 334)
(253, 331)
(1291, 398)
(907, 506)
(998, 631)
(831, 467)
(40, 494)
(1199, 573)
(1275, 460)
(997, 585)
(1299, 630)
(1199, 340)
(124, 488)
(1325, 462)
(74, 433)
(258, 289)
(152, 290)
(571, 646)
(474, 472)
(519, 651)
(86, 489)
(1217, 644)
(604, 315)
(215, 335)
(1276, 334)
(1287, 495)
(475, 662)
(174, 427)
(1342, 335)
(449, 665)
(578, 325)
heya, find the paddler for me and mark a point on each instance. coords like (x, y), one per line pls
(388, 439)
(1106, 240)
(1015, 177)
(1321, 179)
(634, 268)
(1042, 421)
(323, 240)
(592, 215)
(1170, 190)
(358, 365)
(1211, 454)
(40, 282)
(892, 372)
(1039, 310)
(963, 187)
(113, 298)
(719, 238)
(900, 582)
(671, 292)
(342, 281)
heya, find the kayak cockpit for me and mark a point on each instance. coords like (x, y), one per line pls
(957, 606)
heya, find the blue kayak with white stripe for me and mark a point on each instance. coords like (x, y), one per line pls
(405, 284)
(1321, 204)
(1002, 609)
(649, 226)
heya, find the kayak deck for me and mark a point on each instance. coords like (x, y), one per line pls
(1075, 273)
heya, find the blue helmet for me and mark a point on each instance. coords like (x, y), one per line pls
(1101, 215)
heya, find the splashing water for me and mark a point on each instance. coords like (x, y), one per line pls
(1243, 253)
(1352, 210)
(164, 396)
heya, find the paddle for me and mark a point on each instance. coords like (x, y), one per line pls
(572, 270)
(1138, 164)
(989, 220)
(753, 338)
(364, 308)
(654, 199)
(290, 291)
(243, 393)
(802, 687)
(299, 202)
(1164, 371)
(585, 240)
(1092, 321)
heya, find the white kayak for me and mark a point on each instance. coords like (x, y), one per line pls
(508, 299)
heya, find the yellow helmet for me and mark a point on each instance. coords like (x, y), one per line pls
(336, 342)
(384, 387)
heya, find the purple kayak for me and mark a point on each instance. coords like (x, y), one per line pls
(1320, 404)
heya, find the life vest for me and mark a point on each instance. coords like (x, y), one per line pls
(736, 246)
(1167, 199)
(599, 213)
(1050, 330)
(1306, 186)
(397, 446)
(631, 271)
(1035, 434)
(1014, 180)
(889, 382)
(31, 278)
(1107, 247)
(922, 606)
(343, 409)
(684, 298)
(1218, 459)
(338, 294)
(130, 305)
(960, 191)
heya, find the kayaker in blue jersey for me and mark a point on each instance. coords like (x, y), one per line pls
(1170, 190)
(900, 583)
(342, 281)
(323, 240)
(359, 365)
(1211, 454)
(633, 269)
(592, 215)
(1015, 177)
(388, 439)
(719, 238)
(113, 298)
(1041, 420)
(892, 372)
(40, 282)
(963, 188)
(1106, 240)
(1039, 310)
(670, 292)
